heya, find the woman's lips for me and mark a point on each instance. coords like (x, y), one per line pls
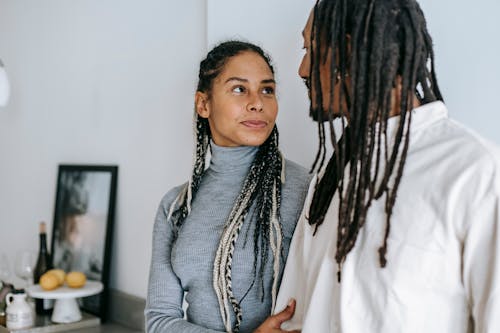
(254, 123)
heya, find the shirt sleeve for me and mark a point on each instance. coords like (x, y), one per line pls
(295, 277)
(481, 254)
(292, 281)
(164, 311)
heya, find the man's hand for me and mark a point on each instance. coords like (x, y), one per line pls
(273, 323)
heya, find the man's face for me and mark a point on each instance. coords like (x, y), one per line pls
(324, 77)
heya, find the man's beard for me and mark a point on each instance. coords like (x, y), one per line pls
(315, 113)
(318, 113)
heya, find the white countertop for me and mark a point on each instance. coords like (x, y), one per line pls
(106, 328)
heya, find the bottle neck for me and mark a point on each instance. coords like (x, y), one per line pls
(43, 243)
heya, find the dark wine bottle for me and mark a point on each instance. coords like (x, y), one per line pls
(43, 264)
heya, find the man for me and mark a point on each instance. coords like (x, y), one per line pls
(400, 231)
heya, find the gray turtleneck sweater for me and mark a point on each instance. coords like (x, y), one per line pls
(185, 266)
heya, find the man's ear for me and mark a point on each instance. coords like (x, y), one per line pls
(201, 104)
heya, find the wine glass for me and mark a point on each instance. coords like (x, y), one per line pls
(24, 265)
(5, 271)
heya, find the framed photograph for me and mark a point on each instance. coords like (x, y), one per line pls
(83, 226)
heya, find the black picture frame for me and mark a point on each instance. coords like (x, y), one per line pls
(83, 226)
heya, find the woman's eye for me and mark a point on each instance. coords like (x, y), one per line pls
(239, 89)
(268, 90)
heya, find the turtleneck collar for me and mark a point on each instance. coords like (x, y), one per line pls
(231, 159)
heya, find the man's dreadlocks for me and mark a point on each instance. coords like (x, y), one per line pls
(379, 46)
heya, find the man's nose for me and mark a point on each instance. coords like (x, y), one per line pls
(304, 68)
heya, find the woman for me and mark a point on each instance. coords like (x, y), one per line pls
(223, 237)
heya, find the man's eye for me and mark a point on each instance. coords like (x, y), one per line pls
(268, 90)
(239, 89)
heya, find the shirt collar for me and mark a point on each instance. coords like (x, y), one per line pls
(422, 117)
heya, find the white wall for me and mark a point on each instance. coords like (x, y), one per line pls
(104, 82)
(112, 82)
(466, 35)
(276, 26)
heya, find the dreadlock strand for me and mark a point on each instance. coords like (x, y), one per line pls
(330, 179)
(405, 100)
(316, 78)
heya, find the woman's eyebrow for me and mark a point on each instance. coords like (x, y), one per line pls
(235, 78)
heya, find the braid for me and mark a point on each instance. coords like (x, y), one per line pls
(181, 207)
(379, 44)
(261, 189)
(262, 186)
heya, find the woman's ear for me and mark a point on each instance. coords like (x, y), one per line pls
(201, 104)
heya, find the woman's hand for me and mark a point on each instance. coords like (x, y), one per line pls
(273, 323)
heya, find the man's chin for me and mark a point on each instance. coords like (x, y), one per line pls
(320, 115)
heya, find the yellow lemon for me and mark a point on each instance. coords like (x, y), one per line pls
(49, 281)
(75, 279)
(61, 275)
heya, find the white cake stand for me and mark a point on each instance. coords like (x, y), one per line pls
(66, 308)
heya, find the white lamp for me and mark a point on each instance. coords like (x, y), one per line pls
(4, 86)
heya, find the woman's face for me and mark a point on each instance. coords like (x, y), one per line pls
(241, 108)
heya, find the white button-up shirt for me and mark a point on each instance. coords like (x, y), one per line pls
(443, 260)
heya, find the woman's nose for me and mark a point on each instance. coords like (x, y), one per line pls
(255, 103)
